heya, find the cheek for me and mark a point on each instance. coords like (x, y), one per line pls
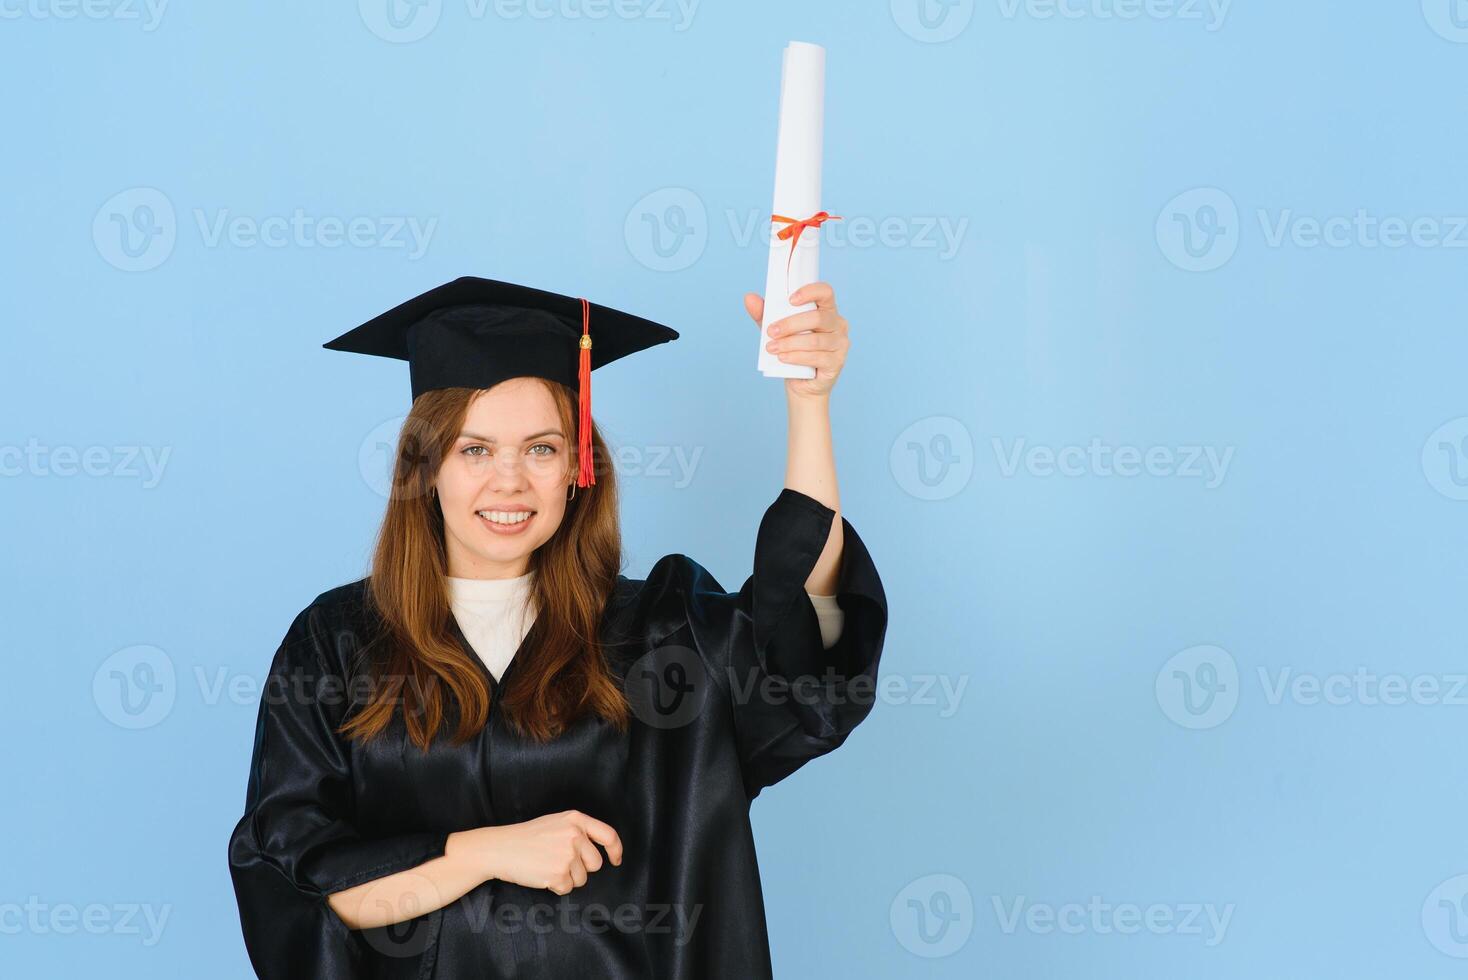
(455, 481)
(551, 489)
(545, 473)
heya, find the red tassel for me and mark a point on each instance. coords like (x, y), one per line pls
(586, 475)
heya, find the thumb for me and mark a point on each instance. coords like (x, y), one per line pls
(754, 303)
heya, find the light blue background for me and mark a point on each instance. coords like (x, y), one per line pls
(547, 150)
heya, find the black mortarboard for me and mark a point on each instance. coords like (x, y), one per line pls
(475, 333)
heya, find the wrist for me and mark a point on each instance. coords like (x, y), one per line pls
(474, 850)
(808, 404)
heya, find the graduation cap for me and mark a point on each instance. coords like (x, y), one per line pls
(475, 333)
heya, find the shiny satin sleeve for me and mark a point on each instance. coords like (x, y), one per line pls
(295, 843)
(793, 698)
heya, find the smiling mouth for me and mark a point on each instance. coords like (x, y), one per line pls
(505, 518)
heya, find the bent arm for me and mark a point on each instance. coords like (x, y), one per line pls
(556, 852)
(792, 697)
(417, 891)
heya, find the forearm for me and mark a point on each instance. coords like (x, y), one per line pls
(810, 467)
(417, 891)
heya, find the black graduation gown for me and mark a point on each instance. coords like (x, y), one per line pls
(714, 722)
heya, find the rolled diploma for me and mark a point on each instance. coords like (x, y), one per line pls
(797, 194)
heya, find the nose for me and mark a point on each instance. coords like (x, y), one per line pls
(506, 471)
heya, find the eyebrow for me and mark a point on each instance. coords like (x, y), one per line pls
(533, 435)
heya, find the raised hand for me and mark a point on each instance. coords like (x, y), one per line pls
(823, 348)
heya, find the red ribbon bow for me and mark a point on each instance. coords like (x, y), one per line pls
(792, 230)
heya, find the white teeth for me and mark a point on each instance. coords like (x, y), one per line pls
(505, 516)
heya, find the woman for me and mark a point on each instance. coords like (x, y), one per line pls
(497, 756)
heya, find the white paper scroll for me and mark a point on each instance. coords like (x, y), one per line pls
(797, 194)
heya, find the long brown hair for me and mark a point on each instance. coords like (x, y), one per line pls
(564, 674)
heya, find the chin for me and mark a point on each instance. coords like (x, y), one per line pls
(507, 551)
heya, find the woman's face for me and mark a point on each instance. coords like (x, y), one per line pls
(503, 483)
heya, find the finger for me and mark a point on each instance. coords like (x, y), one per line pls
(590, 856)
(813, 358)
(808, 341)
(818, 320)
(603, 834)
(819, 293)
(754, 305)
(578, 872)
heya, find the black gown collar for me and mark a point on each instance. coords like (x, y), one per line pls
(467, 647)
(617, 600)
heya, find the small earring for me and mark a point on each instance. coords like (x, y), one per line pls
(433, 491)
(572, 495)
